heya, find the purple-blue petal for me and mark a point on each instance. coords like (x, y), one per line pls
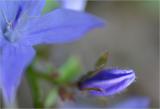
(8, 10)
(1, 44)
(59, 26)
(13, 10)
(14, 59)
(28, 9)
(109, 81)
(1, 37)
(33, 7)
(133, 102)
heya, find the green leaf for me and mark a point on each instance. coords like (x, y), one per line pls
(69, 70)
(102, 61)
(50, 5)
(51, 98)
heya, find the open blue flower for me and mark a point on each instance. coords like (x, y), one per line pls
(22, 26)
(108, 82)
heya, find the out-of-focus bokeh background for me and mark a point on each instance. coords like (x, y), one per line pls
(132, 39)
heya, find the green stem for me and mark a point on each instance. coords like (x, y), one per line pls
(33, 78)
(33, 82)
(46, 77)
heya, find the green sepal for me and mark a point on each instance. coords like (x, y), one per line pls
(102, 61)
(99, 65)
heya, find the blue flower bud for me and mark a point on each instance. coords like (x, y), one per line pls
(108, 82)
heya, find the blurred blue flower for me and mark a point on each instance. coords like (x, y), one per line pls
(78, 5)
(133, 103)
(108, 82)
(22, 26)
